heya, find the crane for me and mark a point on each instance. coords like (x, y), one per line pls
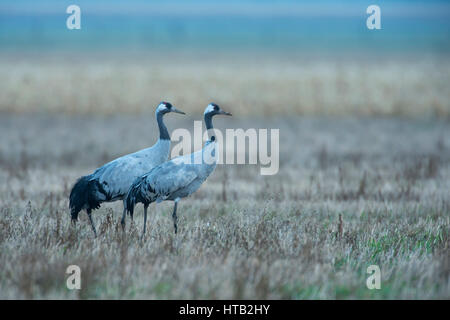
(112, 181)
(177, 178)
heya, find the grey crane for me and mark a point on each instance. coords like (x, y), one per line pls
(177, 178)
(112, 181)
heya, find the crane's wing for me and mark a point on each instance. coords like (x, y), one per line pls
(116, 176)
(169, 177)
(113, 179)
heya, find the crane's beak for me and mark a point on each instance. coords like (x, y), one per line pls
(177, 111)
(225, 113)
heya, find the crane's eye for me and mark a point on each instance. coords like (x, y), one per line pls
(216, 108)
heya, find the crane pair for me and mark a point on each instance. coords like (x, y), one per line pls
(146, 176)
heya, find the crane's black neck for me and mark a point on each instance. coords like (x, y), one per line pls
(163, 133)
(209, 126)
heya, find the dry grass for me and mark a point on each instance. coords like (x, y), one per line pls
(350, 193)
(415, 86)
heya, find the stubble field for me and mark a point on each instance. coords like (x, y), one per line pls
(352, 191)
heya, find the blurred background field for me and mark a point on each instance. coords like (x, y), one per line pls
(268, 57)
(364, 135)
(258, 85)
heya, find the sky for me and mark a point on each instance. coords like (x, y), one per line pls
(227, 25)
(237, 7)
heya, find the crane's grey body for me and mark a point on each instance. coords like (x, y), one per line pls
(116, 176)
(177, 178)
(112, 181)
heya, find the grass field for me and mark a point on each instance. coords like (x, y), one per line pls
(241, 235)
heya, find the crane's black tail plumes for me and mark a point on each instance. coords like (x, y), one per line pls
(130, 200)
(135, 196)
(83, 196)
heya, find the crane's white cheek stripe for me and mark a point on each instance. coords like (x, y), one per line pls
(210, 108)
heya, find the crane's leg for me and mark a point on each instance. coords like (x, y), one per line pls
(122, 222)
(92, 222)
(174, 215)
(145, 220)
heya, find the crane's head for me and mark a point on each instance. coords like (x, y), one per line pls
(213, 109)
(166, 107)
